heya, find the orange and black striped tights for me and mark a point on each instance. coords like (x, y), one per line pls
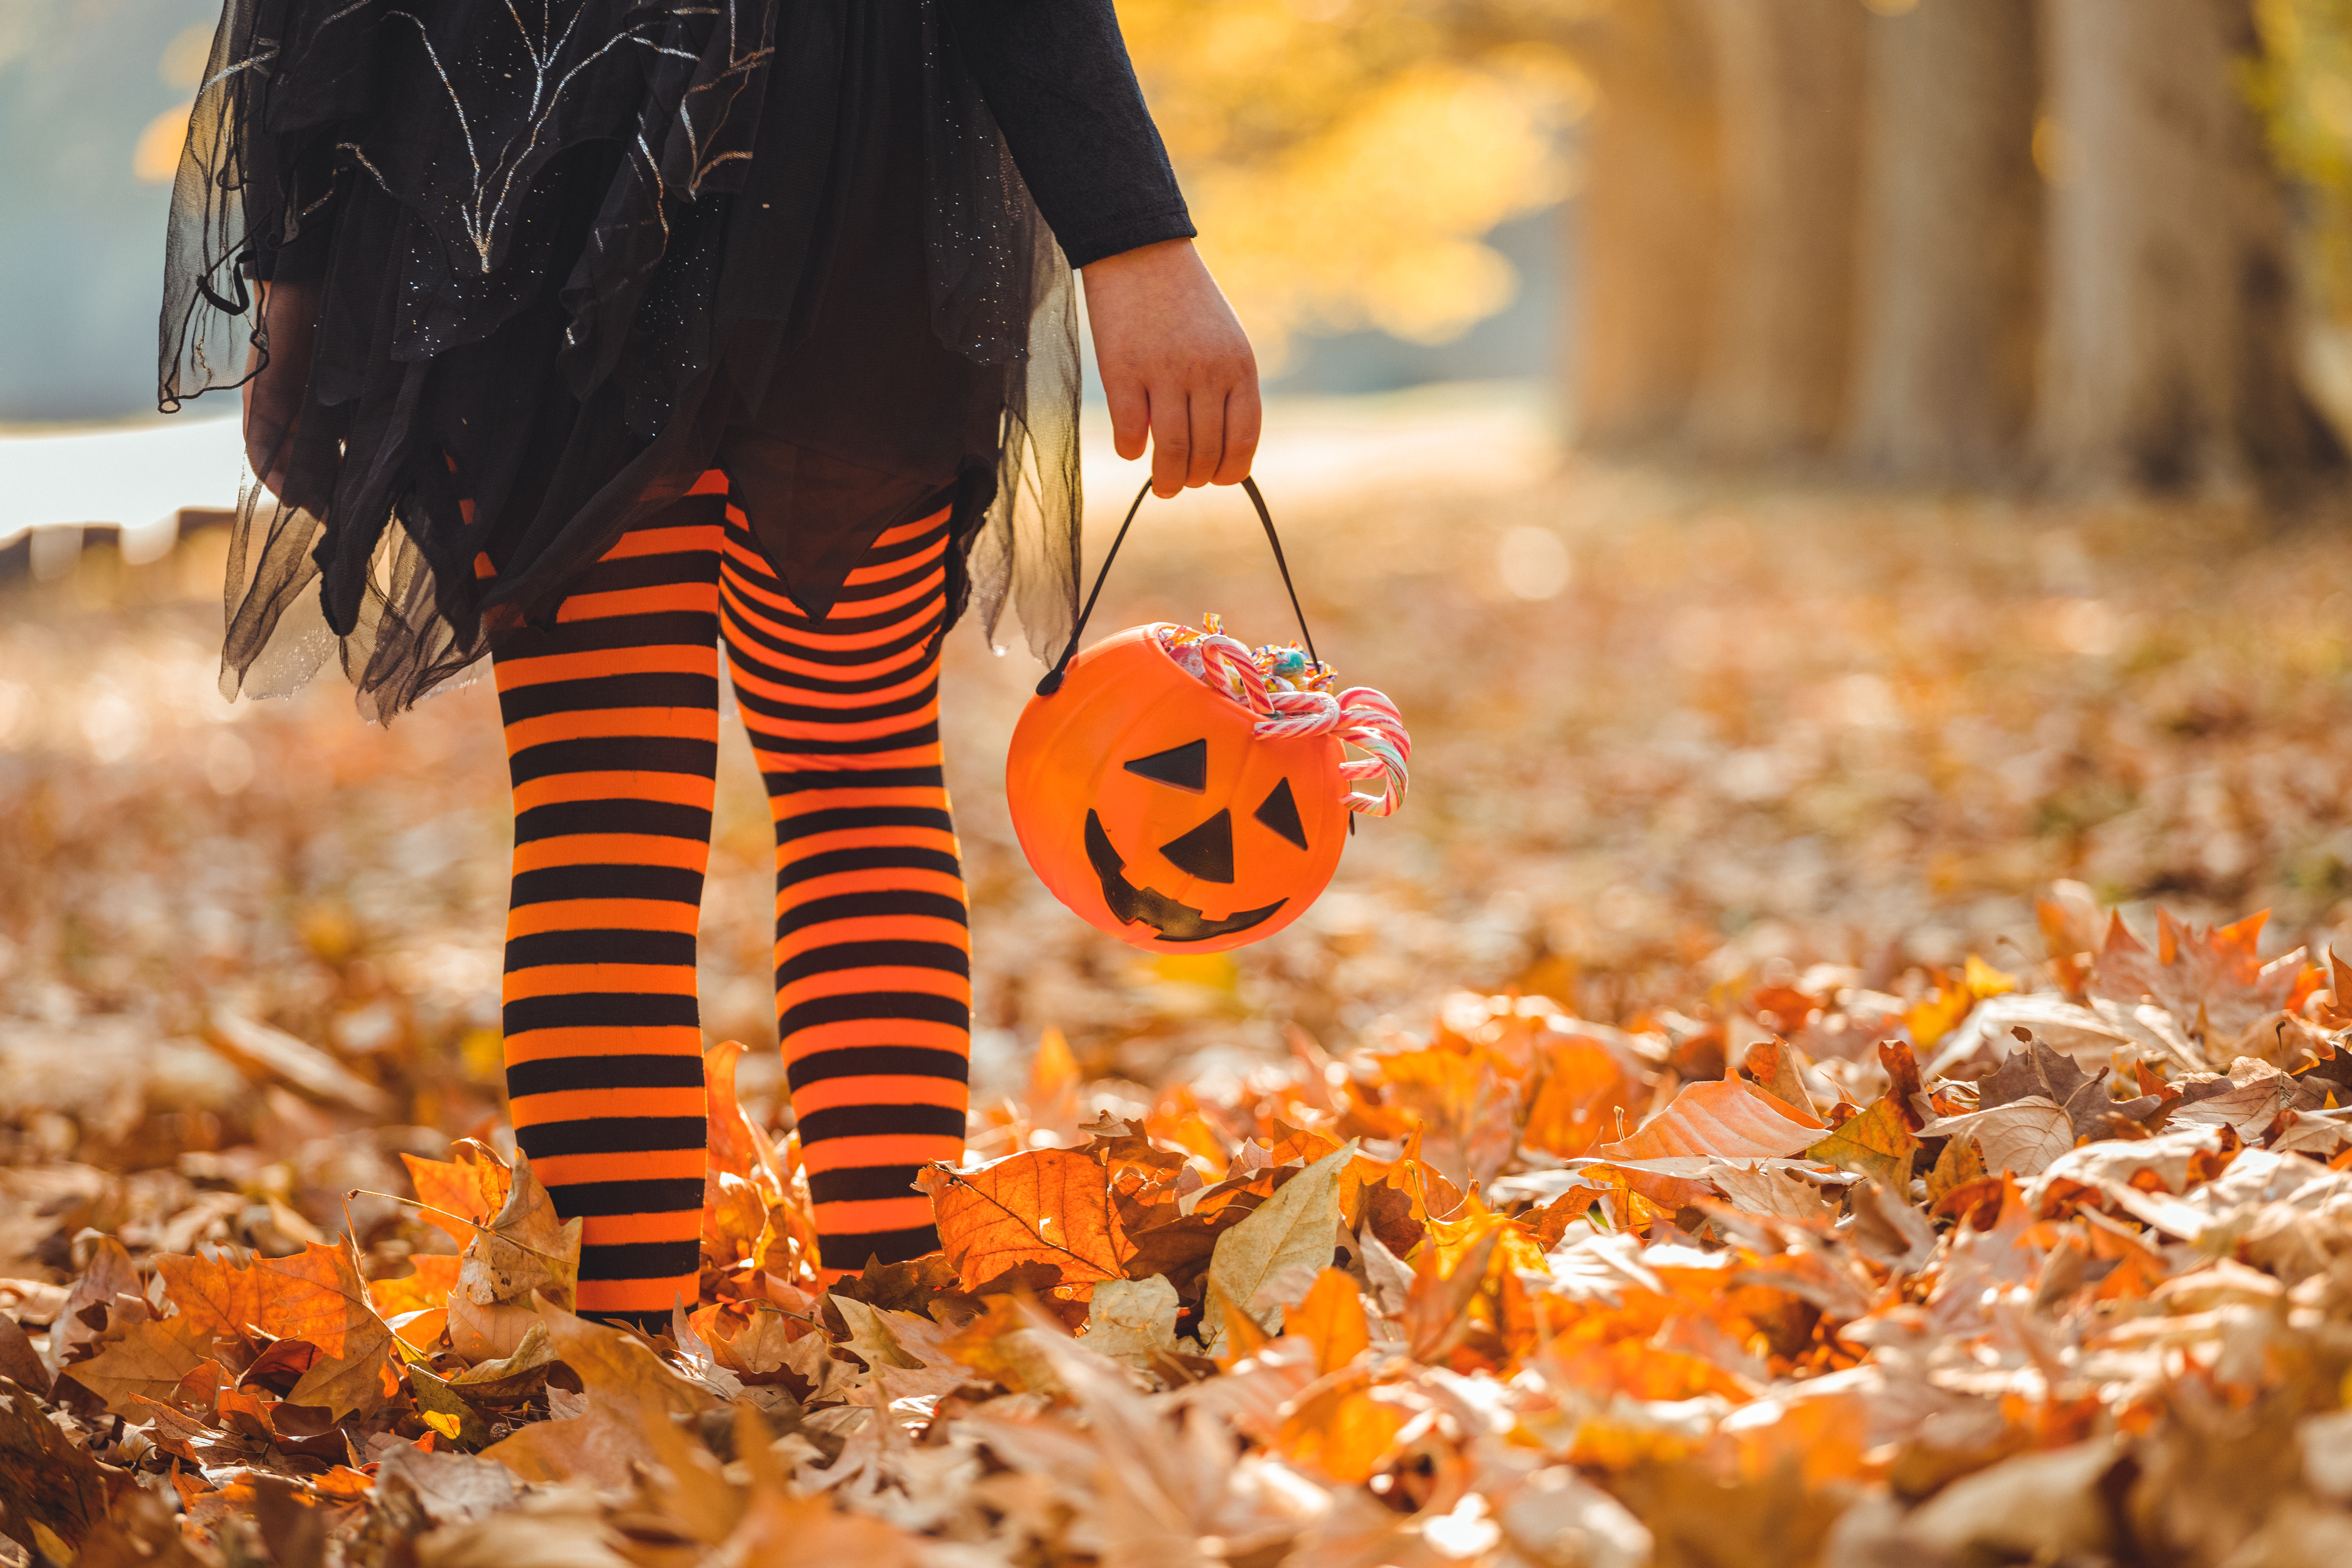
(612, 728)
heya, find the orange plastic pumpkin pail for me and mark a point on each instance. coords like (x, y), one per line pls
(1151, 807)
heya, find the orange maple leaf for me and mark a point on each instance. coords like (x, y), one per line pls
(316, 1296)
(1049, 1206)
(2212, 979)
(473, 1186)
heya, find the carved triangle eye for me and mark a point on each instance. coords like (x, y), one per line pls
(1279, 811)
(1185, 766)
(1207, 852)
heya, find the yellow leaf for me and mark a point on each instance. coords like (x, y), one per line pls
(1877, 1143)
(1983, 980)
(1960, 1163)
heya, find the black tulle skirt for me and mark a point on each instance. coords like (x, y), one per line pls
(567, 256)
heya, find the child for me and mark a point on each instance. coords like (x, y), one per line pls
(584, 333)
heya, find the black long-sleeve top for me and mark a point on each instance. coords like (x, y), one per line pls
(1057, 75)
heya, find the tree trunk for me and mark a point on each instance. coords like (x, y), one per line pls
(1648, 222)
(1789, 78)
(1951, 230)
(2168, 359)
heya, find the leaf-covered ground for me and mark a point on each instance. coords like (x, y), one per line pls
(1720, 1121)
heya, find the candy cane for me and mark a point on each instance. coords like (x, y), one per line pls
(1289, 694)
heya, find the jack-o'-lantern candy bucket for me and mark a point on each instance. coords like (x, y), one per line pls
(1187, 792)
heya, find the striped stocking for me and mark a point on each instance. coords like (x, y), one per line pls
(612, 736)
(873, 955)
(611, 727)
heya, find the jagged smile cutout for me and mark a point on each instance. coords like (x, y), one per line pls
(1174, 922)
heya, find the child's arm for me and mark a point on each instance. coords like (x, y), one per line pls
(1175, 363)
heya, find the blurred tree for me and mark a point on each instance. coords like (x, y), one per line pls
(2168, 357)
(1648, 220)
(1789, 79)
(1948, 309)
(1344, 158)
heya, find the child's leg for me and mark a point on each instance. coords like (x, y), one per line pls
(612, 726)
(873, 958)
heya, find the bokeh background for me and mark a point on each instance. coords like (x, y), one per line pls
(1816, 475)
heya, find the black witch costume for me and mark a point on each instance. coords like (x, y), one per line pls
(568, 255)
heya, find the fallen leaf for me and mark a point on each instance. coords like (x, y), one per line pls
(2257, 1092)
(1045, 1206)
(1773, 1065)
(315, 1296)
(2021, 1137)
(2037, 1072)
(514, 1378)
(47, 1481)
(1582, 1087)
(150, 1361)
(2037, 1505)
(306, 1067)
(1889, 1229)
(1344, 1431)
(425, 1288)
(1331, 1319)
(1291, 1229)
(784, 1532)
(1760, 1189)
(1727, 1118)
(471, 1187)
(526, 1252)
(442, 1408)
(576, 1538)
(1436, 1312)
(108, 1274)
(2213, 978)
(1878, 1145)
(1133, 1321)
(449, 1489)
(905, 1352)
(1961, 1161)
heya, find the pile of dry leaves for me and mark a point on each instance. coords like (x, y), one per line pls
(2050, 1267)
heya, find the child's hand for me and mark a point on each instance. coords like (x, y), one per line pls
(1175, 365)
(273, 399)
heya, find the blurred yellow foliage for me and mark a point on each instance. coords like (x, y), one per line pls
(1344, 160)
(2301, 84)
(155, 158)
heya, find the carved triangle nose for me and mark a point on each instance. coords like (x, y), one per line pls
(1207, 852)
